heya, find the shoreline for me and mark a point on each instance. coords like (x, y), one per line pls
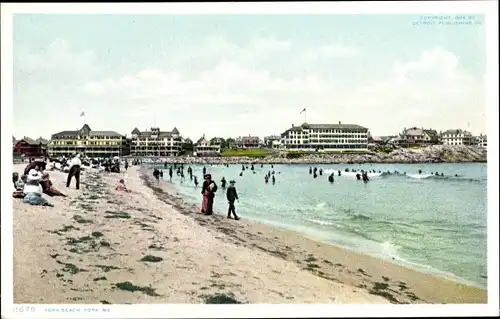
(284, 161)
(103, 246)
(270, 233)
(429, 155)
(149, 246)
(422, 268)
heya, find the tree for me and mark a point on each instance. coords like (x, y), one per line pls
(219, 140)
(187, 145)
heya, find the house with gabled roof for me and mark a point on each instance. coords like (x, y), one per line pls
(203, 147)
(30, 147)
(415, 136)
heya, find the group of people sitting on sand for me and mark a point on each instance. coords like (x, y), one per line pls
(33, 183)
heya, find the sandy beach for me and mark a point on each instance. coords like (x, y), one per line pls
(102, 246)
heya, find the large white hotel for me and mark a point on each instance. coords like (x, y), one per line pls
(326, 137)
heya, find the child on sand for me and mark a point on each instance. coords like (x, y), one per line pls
(231, 196)
(120, 186)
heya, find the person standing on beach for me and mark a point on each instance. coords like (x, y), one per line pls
(170, 173)
(232, 195)
(223, 182)
(74, 170)
(156, 174)
(195, 181)
(208, 190)
(126, 165)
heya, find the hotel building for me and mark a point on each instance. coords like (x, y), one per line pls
(325, 137)
(155, 142)
(87, 142)
(457, 137)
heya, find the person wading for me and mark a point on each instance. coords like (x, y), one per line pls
(74, 170)
(231, 196)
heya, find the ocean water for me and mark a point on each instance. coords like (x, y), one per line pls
(434, 224)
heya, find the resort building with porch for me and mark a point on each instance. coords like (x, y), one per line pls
(325, 137)
(155, 142)
(87, 142)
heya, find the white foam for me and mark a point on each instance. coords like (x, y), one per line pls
(319, 222)
(419, 176)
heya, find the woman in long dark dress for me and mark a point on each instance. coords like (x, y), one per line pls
(208, 190)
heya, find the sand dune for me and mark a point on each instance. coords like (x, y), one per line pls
(148, 246)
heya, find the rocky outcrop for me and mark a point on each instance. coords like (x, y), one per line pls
(430, 154)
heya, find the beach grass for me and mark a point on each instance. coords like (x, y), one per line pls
(254, 152)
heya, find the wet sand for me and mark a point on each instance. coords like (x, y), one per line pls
(148, 246)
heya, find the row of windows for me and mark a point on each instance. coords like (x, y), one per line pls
(153, 140)
(336, 141)
(83, 137)
(327, 147)
(70, 143)
(328, 133)
(345, 131)
(327, 136)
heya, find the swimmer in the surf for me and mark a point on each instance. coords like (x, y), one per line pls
(330, 178)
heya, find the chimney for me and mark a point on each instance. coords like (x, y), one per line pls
(293, 125)
(340, 123)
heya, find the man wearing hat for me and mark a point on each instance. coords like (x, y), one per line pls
(231, 196)
(74, 170)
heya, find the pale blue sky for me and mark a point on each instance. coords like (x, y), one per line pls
(232, 75)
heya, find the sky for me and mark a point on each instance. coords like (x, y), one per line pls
(240, 75)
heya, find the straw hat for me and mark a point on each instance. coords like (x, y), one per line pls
(34, 176)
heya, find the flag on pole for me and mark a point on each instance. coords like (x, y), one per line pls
(303, 111)
(82, 114)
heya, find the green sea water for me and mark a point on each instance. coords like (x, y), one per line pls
(430, 223)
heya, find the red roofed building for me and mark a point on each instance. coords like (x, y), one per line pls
(30, 147)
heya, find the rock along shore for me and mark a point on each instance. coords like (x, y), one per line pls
(430, 154)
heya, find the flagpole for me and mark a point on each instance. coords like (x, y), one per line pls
(305, 115)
